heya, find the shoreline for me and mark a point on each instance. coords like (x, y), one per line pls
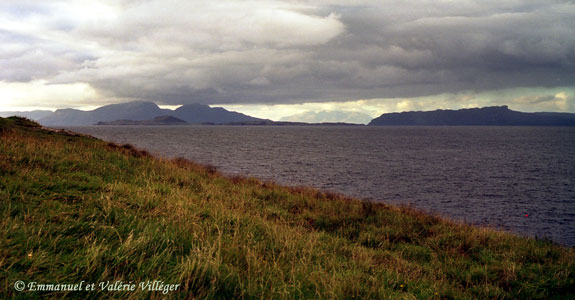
(445, 171)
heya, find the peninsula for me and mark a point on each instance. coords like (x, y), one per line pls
(486, 116)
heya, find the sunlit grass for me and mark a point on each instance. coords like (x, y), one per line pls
(76, 208)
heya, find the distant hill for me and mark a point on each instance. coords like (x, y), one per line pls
(162, 120)
(487, 116)
(142, 111)
(137, 110)
(33, 115)
(199, 113)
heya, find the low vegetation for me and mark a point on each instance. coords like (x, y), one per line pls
(74, 208)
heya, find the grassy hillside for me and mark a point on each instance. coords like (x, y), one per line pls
(74, 208)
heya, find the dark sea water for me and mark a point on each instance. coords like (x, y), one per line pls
(491, 176)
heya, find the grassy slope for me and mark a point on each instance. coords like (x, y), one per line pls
(76, 208)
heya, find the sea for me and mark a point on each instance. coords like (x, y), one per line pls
(518, 179)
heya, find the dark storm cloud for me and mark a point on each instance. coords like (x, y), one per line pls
(179, 52)
(470, 47)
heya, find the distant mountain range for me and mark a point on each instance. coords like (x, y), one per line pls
(487, 116)
(138, 111)
(162, 120)
(146, 113)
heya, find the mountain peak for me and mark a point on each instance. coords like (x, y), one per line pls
(201, 113)
(141, 111)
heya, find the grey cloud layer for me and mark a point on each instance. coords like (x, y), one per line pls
(180, 52)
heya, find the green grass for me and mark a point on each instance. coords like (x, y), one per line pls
(75, 208)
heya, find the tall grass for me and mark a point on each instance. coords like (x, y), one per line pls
(74, 208)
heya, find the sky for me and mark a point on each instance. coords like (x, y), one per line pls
(289, 59)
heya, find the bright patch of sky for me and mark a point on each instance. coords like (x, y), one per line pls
(522, 99)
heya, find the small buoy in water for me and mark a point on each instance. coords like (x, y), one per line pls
(526, 215)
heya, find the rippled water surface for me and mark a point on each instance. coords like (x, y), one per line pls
(482, 175)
